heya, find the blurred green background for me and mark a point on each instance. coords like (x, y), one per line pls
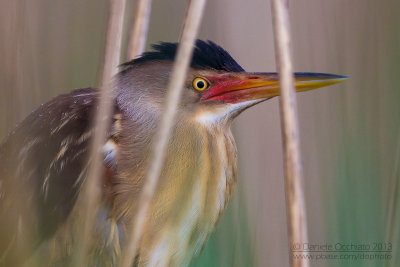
(349, 132)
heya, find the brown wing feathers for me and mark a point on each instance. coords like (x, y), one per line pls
(58, 133)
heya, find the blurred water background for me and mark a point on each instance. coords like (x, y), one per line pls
(349, 132)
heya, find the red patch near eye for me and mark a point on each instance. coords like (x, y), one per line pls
(222, 87)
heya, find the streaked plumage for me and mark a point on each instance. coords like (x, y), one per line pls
(43, 162)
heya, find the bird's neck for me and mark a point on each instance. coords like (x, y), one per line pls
(194, 187)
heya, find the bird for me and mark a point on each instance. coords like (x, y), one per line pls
(44, 160)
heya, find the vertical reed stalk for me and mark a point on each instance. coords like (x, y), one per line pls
(182, 60)
(392, 207)
(138, 34)
(295, 203)
(91, 188)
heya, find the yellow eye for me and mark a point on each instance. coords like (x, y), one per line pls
(200, 84)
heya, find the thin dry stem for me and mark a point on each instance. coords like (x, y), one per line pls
(138, 34)
(295, 203)
(192, 23)
(392, 205)
(91, 187)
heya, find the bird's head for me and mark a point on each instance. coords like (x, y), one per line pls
(217, 88)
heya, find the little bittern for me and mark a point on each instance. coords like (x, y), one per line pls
(44, 161)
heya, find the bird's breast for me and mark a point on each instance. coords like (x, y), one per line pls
(193, 191)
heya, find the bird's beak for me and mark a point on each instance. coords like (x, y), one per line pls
(243, 87)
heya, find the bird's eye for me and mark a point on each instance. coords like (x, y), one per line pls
(200, 84)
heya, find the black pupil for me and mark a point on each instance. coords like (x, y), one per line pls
(201, 84)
